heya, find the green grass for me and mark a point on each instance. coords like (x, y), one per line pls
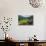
(23, 21)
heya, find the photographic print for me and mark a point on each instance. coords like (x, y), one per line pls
(25, 20)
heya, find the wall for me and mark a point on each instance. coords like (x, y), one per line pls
(12, 8)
